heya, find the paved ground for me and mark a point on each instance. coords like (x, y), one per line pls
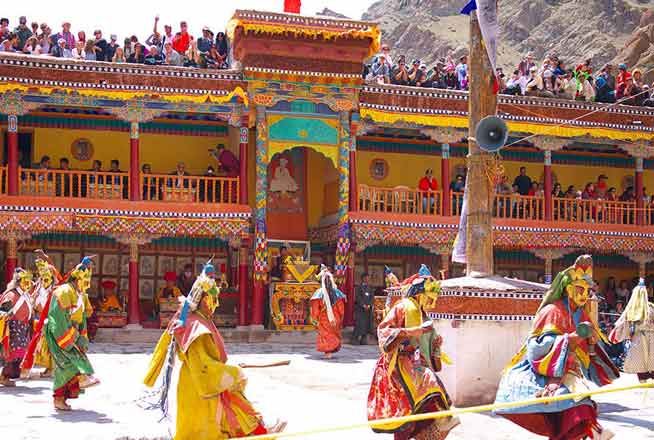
(309, 393)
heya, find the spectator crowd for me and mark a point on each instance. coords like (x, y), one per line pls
(64, 181)
(549, 79)
(160, 48)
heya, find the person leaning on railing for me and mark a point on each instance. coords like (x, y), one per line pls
(149, 183)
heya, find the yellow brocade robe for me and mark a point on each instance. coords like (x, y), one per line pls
(210, 400)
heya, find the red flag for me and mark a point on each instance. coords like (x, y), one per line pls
(292, 6)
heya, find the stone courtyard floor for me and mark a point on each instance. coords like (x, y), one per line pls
(309, 393)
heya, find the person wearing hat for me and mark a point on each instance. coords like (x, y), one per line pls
(405, 380)
(381, 70)
(205, 41)
(109, 301)
(211, 403)
(169, 291)
(534, 83)
(563, 353)
(60, 50)
(23, 32)
(621, 80)
(636, 324)
(416, 75)
(15, 324)
(327, 310)
(400, 75)
(67, 335)
(67, 36)
(526, 64)
(386, 51)
(111, 47)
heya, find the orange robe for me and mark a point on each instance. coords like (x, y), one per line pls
(110, 303)
(329, 334)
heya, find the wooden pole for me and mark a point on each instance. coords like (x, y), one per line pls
(482, 102)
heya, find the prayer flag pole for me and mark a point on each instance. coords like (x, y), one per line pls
(482, 102)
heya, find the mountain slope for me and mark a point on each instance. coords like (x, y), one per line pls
(573, 29)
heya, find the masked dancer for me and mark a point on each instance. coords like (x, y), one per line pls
(405, 380)
(15, 324)
(211, 403)
(563, 354)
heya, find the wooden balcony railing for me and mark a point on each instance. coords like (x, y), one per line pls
(400, 200)
(512, 206)
(191, 189)
(73, 184)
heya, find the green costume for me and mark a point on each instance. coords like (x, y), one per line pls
(66, 332)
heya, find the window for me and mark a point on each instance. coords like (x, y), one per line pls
(378, 169)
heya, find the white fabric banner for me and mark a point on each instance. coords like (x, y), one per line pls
(490, 29)
(459, 248)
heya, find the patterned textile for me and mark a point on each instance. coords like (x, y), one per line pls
(329, 334)
(549, 355)
(16, 342)
(67, 335)
(640, 354)
(405, 380)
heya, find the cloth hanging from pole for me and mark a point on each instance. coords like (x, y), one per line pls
(292, 6)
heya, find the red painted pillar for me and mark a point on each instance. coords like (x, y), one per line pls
(257, 302)
(134, 165)
(134, 307)
(445, 179)
(243, 285)
(547, 173)
(12, 155)
(243, 161)
(639, 191)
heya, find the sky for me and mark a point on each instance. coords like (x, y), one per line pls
(128, 17)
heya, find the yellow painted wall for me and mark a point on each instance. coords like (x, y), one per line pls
(161, 151)
(403, 169)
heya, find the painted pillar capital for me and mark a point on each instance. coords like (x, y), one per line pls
(549, 143)
(639, 150)
(445, 135)
(134, 130)
(445, 150)
(548, 157)
(135, 111)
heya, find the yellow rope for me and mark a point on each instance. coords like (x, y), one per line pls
(453, 412)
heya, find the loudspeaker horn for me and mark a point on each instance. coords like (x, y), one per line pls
(491, 134)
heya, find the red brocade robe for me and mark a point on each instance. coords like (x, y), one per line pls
(405, 380)
(329, 333)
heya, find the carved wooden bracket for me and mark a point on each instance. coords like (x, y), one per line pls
(444, 135)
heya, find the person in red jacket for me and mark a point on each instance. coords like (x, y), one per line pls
(427, 186)
(182, 40)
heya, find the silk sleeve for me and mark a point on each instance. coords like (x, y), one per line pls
(61, 327)
(209, 375)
